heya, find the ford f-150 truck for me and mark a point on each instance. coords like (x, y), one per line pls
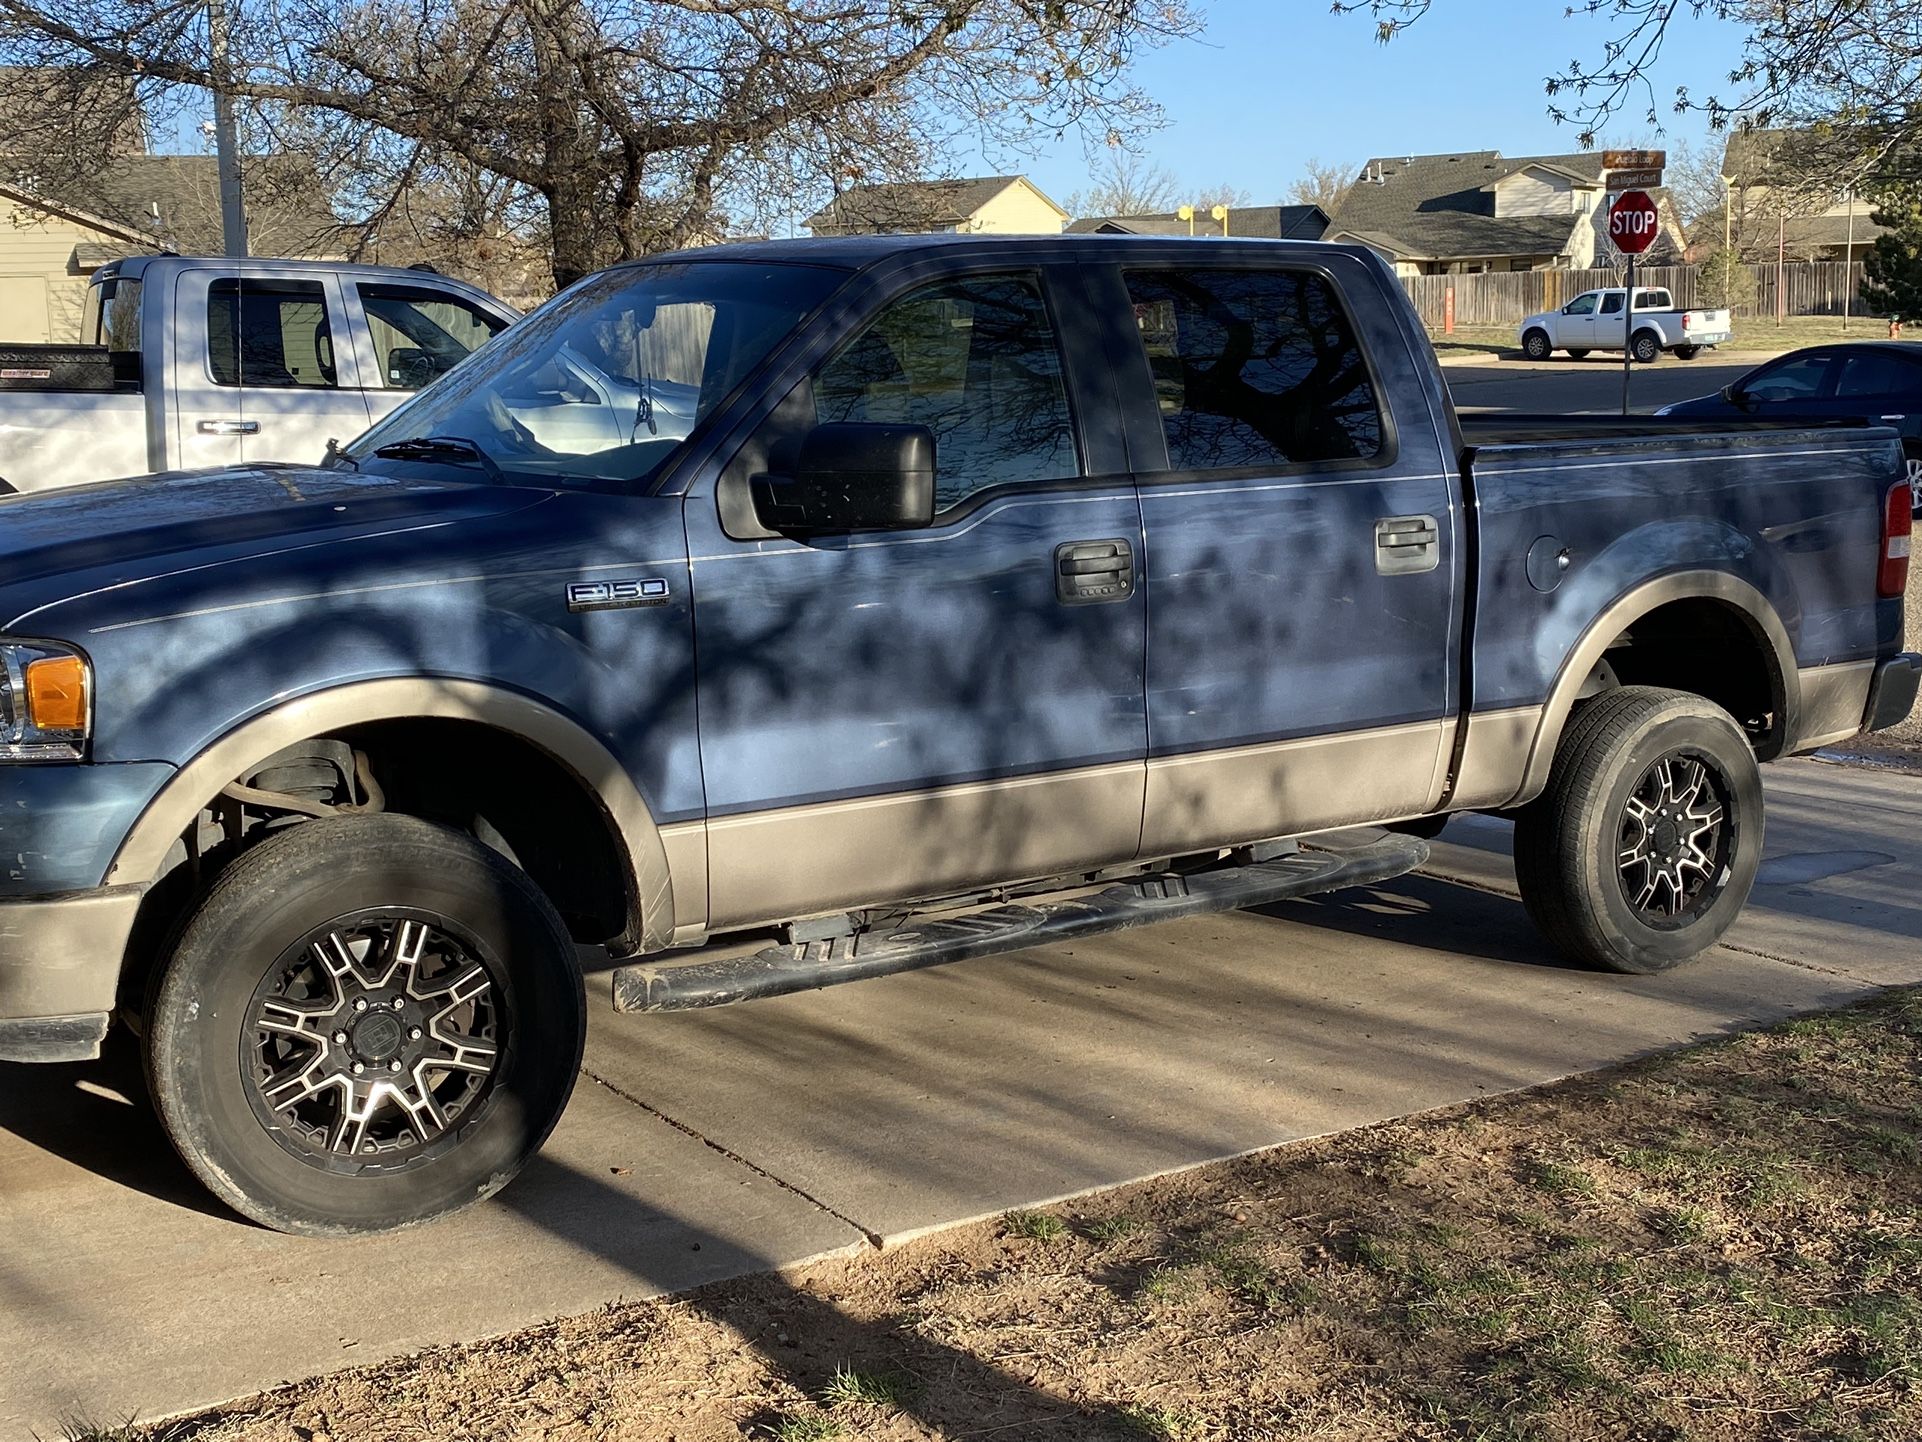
(186, 362)
(1599, 320)
(912, 599)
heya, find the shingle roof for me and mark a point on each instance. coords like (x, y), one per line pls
(1256, 222)
(1439, 206)
(287, 206)
(908, 205)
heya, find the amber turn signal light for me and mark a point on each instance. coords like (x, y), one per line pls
(57, 693)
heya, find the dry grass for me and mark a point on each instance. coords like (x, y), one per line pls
(1717, 1244)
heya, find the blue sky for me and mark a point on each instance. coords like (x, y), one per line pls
(1272, 82)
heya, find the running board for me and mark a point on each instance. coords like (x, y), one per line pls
(810, 965)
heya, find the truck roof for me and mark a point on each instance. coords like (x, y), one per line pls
(855, 252)
(136, 267)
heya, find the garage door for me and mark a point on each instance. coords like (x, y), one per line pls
(23, 309)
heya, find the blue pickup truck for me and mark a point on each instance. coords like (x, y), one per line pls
(894, 601)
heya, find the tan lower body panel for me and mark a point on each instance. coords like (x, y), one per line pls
(1834, 701)
(1494, 760)
(770, 866)
(1282, 788)
(686, 845)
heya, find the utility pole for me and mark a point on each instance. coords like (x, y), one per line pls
(1848, 257)
(233, 215)
(1781, 267)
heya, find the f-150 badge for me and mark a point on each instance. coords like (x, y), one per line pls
(616, 595)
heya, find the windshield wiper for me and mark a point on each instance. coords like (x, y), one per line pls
(441, 448)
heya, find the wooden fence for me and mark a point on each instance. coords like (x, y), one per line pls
(1501, 298)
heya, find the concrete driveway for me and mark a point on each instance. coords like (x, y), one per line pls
(707, 1145)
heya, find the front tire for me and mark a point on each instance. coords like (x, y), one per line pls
(1535, 345)
(1646, 347)
(1644, 846)
(369, 1022)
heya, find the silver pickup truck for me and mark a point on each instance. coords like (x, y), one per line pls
(187, 362)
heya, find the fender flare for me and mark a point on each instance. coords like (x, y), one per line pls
(1732, 591)
(143, 853)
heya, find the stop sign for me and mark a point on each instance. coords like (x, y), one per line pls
(1633, 222)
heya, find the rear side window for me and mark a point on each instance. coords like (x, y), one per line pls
(1877, 373)
(269, 333)
(1254, 368)
(1612, 303)
(976, 361)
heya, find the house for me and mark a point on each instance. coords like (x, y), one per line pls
(53, 236)
(1779, 198)
(988, 205)
(1259, 222)
(1478, 210)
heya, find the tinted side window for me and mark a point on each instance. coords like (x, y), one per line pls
(421, 333)
(976, 362)
(1612, 304)
(1254, 368)
(1877, 373)
(1582, 305)
(271, 333)
(1791, 380)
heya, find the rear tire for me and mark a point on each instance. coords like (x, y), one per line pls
(1687, 352)
(1646, 347)
(1578, 355)
(1536, 346)
(368, 1022)
(1644, 846)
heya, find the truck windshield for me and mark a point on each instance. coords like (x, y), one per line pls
(603, 384)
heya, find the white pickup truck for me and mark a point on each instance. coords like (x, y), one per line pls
(186, 362)
(1596, 320)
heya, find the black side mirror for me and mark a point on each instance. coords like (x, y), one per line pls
(1735, 396)
(853, 476)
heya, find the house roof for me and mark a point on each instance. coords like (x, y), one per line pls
(1439, 207)
(1257, 222)
(912, 204)
(174, 201)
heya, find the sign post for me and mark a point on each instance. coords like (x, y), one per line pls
(1633, 223)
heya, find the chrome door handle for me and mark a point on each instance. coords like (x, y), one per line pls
(1892, 418)
(228, 428)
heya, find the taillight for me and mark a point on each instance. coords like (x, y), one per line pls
(1688, 319)
(1898, 522)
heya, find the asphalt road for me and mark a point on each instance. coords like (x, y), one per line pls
(1567, 386)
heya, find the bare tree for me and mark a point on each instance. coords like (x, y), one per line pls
(1847, 71)
(634, 123)
(1204, 198)
(1322, 183)
(1126, 183)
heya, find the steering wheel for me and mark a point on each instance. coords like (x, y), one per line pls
(506, 423)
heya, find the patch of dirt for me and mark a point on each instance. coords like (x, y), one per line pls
(1720, 1244)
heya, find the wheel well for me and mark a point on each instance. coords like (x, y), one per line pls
(466, 775)
(1712, 649)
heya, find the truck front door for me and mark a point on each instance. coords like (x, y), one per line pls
(895, 714)
(1303, 562)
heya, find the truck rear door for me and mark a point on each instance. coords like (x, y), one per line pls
(1302, 564)
(260, 371)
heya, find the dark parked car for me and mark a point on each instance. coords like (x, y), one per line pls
(1878, 381)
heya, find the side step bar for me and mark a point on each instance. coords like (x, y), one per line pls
(810, 965)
